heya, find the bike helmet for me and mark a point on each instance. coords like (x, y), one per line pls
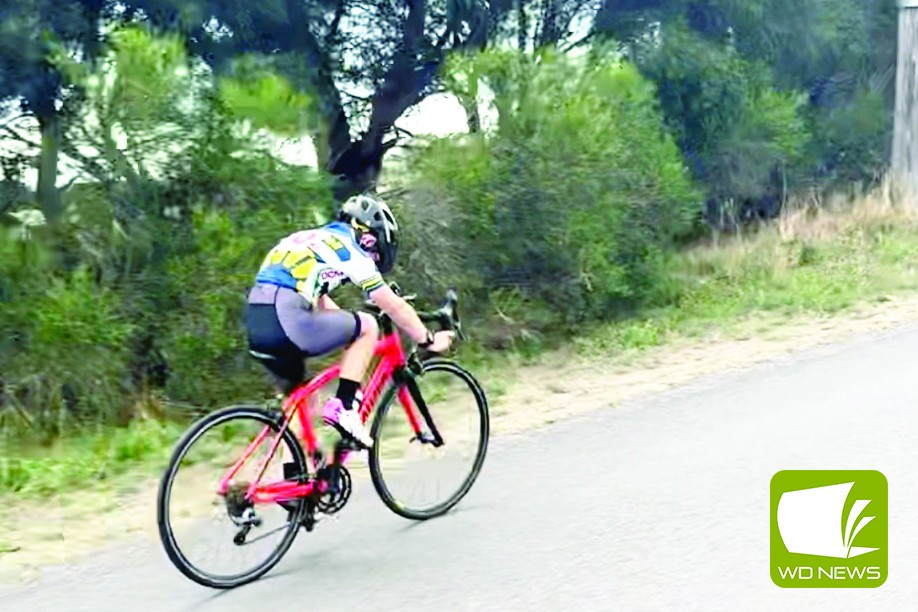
(374, 226)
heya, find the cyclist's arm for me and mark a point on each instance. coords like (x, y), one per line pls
(326, 303)
(400, 312)
(408, 321)
(363, 273)
(361, 270)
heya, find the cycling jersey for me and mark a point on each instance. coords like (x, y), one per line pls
(315, 262)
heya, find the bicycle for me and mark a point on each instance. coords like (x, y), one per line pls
(302, 487)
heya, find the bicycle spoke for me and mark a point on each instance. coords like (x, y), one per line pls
(200, 524)
(415, 477)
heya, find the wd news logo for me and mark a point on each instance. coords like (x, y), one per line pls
(828, 529)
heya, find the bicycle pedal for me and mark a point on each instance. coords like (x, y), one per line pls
(348, 444)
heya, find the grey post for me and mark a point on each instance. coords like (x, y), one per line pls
(905, 134)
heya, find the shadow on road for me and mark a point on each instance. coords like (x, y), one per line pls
(458, 511)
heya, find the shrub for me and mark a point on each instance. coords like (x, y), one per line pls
(124, 309)
(571, 200)
(65, 343)
(202, 338)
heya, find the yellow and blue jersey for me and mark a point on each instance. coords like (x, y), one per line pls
(315, 262)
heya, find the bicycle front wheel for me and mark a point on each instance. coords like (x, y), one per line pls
(415, 477)
(211, 532)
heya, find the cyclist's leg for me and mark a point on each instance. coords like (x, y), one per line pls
(271, 347)
(357, 356)
(268, 342)
(317, 332)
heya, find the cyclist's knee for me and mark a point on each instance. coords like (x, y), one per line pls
(368, 325)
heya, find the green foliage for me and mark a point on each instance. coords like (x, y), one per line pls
(203, 340)
(65, 346)
(761, 93)
(853, 139)
(138, 293)
(148, 80)
(573, 199)
(736, 129)
(122, 317)
(28, 468)
(267, 100)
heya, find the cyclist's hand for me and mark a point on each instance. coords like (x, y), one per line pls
(442, 340)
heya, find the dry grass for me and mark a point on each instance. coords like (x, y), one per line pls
(811, 220)
(821, 256)
(815, 218)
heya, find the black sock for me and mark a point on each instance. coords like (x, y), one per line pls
(347, 390)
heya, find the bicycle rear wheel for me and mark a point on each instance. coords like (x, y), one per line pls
(415, 478)
(222, 540)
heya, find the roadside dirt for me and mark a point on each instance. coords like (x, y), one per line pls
(562, 385)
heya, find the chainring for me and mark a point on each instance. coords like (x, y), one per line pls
(339, 492)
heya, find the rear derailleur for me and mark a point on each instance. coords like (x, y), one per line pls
(241, 511)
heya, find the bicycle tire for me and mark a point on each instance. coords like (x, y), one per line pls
(167, 536)
(396, 506)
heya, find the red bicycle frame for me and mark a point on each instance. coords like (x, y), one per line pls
(391, 357)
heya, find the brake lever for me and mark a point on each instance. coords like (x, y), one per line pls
(458, 329)
(449, 317)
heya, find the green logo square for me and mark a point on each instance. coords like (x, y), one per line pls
(829, 529)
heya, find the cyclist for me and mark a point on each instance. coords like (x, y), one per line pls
(290, 316)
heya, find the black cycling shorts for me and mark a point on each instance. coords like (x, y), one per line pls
(283, 329)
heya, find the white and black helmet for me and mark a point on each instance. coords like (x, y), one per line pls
(375, 229)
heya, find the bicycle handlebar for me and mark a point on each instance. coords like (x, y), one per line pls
(447, 316)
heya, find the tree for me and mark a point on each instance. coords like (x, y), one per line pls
(827, 47)
(366, 62)
(30, 33)
(760, 93)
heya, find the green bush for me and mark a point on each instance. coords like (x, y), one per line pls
(570, 202)
(203, 340)
(65, 344)
(743, 138)
(120, 310)
(851, 141)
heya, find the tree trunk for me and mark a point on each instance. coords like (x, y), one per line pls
(358, 165)
(472, 117)
(356, 168)
(549, 31)
(49, 198)
(522, 32)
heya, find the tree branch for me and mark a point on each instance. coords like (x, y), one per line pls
(578, 43)
(336, 23)
(401, 83)
(15, 118)
(338, 135)
(522, 32)
(87, 164)
(17, 136)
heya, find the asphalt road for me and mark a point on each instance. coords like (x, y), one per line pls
(661, 504)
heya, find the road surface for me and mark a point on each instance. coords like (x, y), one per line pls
(660, 504)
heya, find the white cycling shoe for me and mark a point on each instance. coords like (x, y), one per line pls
(347, 422)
